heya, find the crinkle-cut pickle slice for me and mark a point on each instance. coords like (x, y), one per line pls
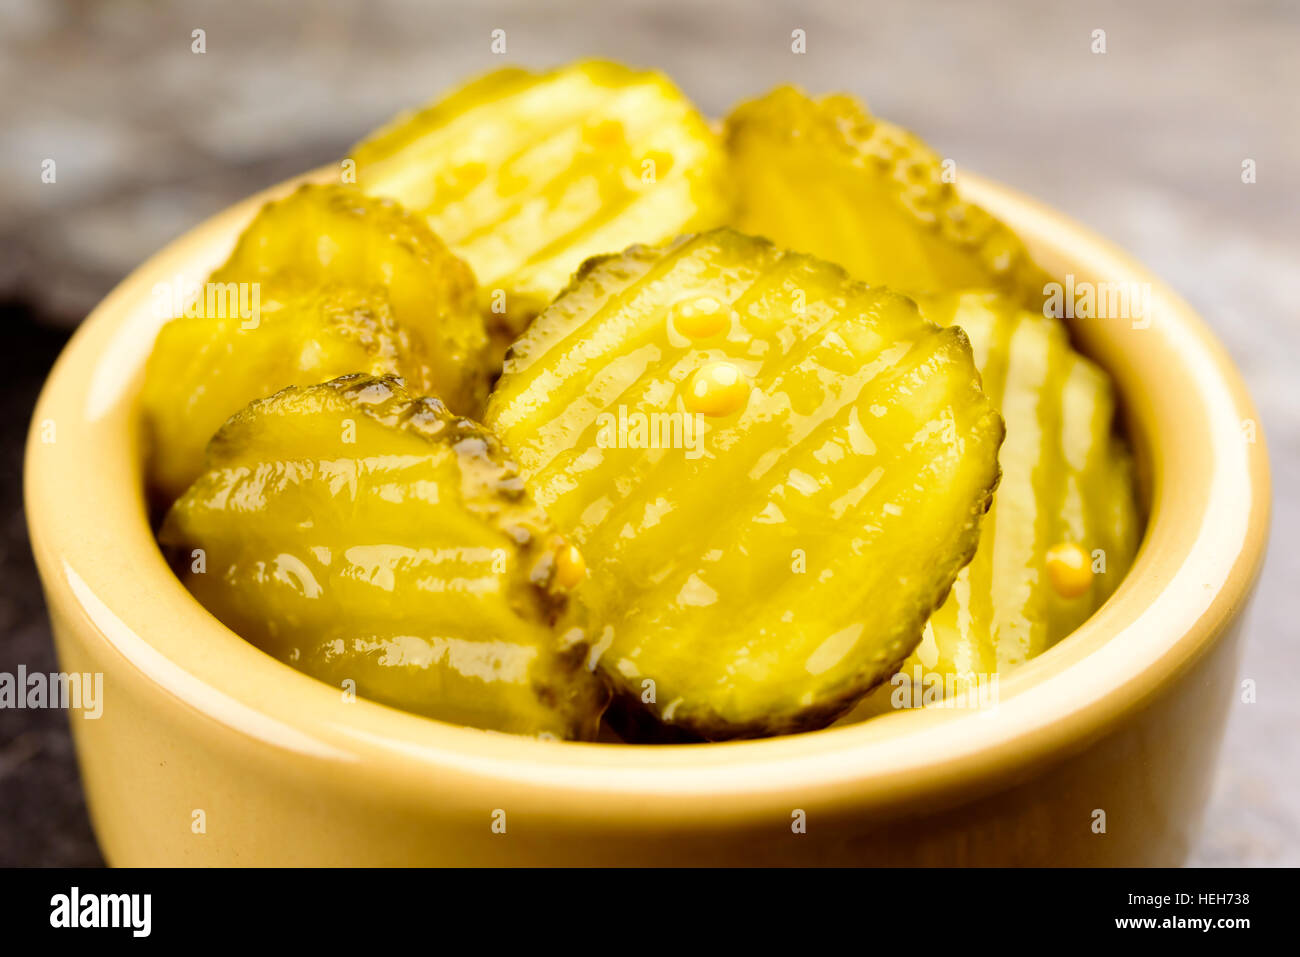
(203, 369)
(824, 177)
(338, 236)
(759, 568)
(527, 174)
(359, 533)
(1067, 487)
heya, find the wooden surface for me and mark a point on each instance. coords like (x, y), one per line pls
(1145, 143)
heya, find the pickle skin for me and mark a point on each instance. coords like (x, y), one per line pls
(335, 235)
(865, 452)
(825, 177)
(203, 369)
(526, 175)
(359, 533)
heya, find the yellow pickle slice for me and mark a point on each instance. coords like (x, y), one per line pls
(773, 472)
(1064, 526)
(337, 236)
(526, 175)
(823, 176)
(203, 369)
(379, 543)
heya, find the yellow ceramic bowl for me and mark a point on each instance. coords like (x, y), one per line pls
(210, 752)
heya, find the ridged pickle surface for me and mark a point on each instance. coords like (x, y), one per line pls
(205, 368)
(773, 472)
(825, 177)
(1064, 524)
(364, 535)
(1067, 479)
(337, 236)
(528, 174)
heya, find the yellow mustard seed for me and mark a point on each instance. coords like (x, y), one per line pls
(570, 567)
(699, 318)
(717, 389)
(1070, 569)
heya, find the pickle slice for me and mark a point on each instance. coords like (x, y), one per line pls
(824, 177)
(363, 535)
(527, 174)
(337, 236)
(203, 369)
(1067, 478)
(773, 472)
(1067, 485)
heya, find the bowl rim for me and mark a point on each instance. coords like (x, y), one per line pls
(1204, 545)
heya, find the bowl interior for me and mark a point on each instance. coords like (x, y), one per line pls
(1205, 482)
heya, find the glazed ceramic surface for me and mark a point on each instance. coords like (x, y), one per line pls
(210, 752)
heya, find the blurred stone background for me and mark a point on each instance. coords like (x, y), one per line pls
(1144, 143)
